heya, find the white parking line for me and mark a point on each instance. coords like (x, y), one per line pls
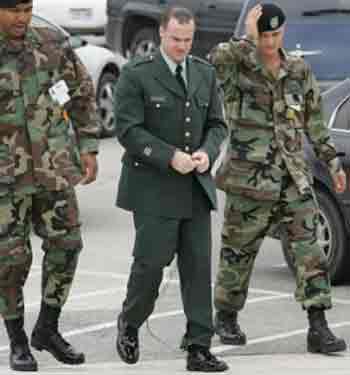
(215, 350)
(102, 326)
(35, 273)
(271, 295)
(74, 297)
(280, 336)
(124, 277)
(281, 265)
(341, 301)
(269, 298)
(272, 292)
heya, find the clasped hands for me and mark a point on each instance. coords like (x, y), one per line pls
(185, 163)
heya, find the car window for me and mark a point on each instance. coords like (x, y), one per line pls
(309, 7)
(75, 41)
(38, 21)
(322, 44)
(342, 120)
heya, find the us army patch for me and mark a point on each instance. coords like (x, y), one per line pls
(274, 22)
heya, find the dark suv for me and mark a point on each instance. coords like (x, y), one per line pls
(319, 30)
(132, 25)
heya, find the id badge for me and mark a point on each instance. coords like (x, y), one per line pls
(59, 92)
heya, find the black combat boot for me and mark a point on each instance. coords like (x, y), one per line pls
(45, 336)
(127, 342)
(21, 359)
(320, 339)
(227, 328)
(200, 359)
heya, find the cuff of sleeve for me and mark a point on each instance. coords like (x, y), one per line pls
(250, 38)
(334, 166)
(89, 146)
(167, 157)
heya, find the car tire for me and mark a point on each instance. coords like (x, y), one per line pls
(332, 238)
(105, 103)
(144, 42)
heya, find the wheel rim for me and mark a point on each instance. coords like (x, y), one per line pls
(145, 48)
(105, 106)
(324, 236)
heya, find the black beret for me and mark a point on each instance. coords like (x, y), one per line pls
(272, 18)
(13, 3)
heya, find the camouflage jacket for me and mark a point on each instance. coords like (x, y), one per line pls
(40, 140)
(269, 118)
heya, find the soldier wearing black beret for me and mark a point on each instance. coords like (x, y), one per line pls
(272, 18)
(272, 104)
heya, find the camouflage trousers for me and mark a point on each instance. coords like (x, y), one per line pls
(54, 216)
(246, 223)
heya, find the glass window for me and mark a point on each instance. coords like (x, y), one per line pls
(38, 21)
(342, 120)
(325, 47)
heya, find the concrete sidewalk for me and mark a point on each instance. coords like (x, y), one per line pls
(286, 364)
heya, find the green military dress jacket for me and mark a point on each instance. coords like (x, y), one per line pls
(40, 139)
(155, 117)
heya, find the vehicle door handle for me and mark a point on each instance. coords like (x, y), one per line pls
(341, 154)
(212, 6)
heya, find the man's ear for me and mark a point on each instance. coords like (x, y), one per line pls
(161, 31)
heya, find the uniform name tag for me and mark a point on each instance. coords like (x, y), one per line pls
(59, 92)
(158, 99)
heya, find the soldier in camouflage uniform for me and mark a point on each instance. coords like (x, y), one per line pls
(271, 102)
(48, 144)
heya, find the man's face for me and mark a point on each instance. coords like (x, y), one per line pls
(15, 21)
(177, 38)
(270, 42)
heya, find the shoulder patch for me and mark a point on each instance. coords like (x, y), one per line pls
(295, 59)
(199, 60)
(136, 61)
(242, 40)
(294, 56)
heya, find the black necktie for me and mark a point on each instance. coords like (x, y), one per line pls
(180, 78)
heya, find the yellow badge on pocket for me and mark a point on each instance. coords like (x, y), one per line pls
(290, 114)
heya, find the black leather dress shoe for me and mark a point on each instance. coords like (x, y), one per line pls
(200, 359)
(127, 342)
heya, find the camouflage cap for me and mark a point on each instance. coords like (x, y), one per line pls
(13, 3)
(272, 18)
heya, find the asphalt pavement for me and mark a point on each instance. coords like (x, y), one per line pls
(275, 325)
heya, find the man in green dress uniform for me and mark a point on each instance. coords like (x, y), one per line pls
(169, 119)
